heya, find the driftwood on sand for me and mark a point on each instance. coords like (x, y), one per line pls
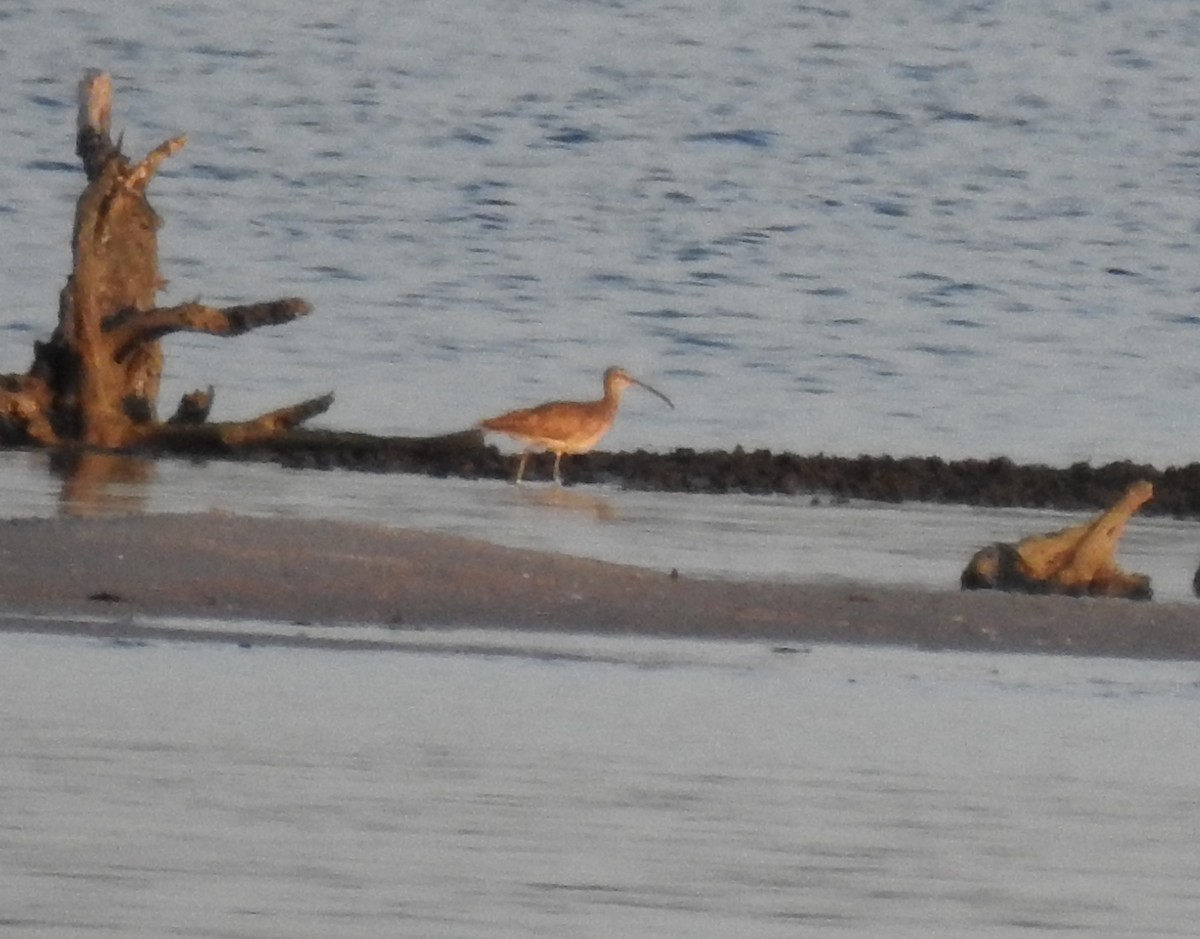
(1079, 560)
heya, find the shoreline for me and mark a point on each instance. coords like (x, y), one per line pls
(114, 576)
(991, 482)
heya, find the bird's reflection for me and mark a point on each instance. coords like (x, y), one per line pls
(556, 497)
(95, 483)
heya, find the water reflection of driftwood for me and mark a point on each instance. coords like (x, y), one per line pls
(556, 497)
(96, 483)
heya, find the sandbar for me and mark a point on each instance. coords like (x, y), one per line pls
(115, 576)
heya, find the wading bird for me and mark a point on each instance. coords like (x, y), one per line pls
(566, 426)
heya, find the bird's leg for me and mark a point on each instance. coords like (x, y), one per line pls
(557, 474)
(521, 466)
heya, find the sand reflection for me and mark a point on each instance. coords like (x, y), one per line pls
(96, 483)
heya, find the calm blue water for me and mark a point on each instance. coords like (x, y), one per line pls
(916, 227)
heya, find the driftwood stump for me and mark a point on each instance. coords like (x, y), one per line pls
(1079, 561)
(95, 382)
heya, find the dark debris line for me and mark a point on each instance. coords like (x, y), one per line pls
(996, 482)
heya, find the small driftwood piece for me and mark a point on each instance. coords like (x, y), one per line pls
(1079, 561)
(95, 382)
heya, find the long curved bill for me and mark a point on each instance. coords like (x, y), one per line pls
(653, 391)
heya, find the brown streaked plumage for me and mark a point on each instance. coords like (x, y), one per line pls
(566, 426)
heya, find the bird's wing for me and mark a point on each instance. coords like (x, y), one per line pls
(555, 421)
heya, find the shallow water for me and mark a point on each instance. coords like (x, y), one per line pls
(737, 536)
(637, 788)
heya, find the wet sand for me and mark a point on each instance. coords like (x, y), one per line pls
(115, 576)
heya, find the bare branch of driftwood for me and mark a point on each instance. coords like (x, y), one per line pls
(138, 178)
(193, 407)
(130, 329)
(92, 141)
(270, 424)
(184, 437)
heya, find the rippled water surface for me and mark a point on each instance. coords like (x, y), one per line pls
(921, 227)
(593, 788)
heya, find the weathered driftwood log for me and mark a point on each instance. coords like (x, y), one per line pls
(1078, 561)
(96, 380)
